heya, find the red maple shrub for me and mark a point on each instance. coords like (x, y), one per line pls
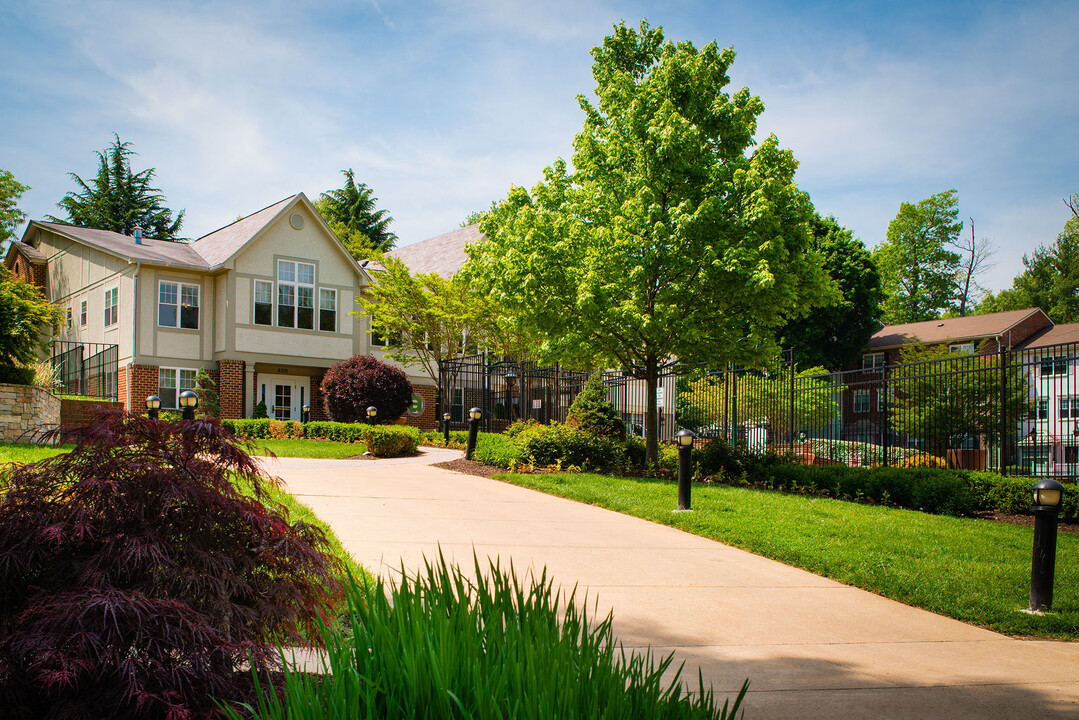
(136, 579)
(353, 385)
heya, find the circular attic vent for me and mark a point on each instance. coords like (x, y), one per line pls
(296, 221)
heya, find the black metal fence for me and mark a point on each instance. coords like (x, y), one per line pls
(1014, 411)
(87, 369)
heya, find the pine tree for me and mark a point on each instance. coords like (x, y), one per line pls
(206, 389)
(592, 413)
(118, 199)
(350, 212)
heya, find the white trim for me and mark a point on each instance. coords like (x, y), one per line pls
(180, 303)
(115, 307)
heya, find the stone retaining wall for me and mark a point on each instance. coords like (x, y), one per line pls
(26, 412)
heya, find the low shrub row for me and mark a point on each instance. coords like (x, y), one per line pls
(381, 440)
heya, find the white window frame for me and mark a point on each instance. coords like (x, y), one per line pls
(333, 293)
(255, 303)
(961, 348)
(178, 384)
(295, 285)
(858, 395)
(114, 307)
(870, 361)
(179, 304)
(1068, 408)
(82, 314)
(1039, 410)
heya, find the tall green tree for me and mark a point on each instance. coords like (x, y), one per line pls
(673, 236)
(10, 214)
(25, 319)
(350, 212)
(918, 267)
(427, 319)
(834, 336)
(1050, 280)
(119, 199)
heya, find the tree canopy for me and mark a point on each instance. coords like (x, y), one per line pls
(835, 335)
(25, 315)
(918, 269)
(10, 214)
(119, 199)
(674, 235)
(1050, 280)
(350, 212)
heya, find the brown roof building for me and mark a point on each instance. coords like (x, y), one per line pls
(443, 255)
(987, 333)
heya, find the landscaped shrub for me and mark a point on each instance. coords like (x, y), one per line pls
(285, 429)
(335, 431)
(517, 427)
(391, 440)
(922, 460)
(353, 385)
(17, 375)
(254, 429)
(206, 389)
(260, 410)
(434, 438)
(444, 645)
(496, 449)
(593, 414)
(560, 444)
(136, 579)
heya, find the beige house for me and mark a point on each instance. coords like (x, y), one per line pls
(264, 305)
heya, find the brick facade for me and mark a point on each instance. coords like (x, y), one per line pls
(80, 412)
(425, 420)
(142, 381)
(230, 388)
(31, 273)
(318, 409)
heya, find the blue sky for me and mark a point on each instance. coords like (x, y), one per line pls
(441, 106)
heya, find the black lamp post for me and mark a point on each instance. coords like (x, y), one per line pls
(685, 439)
(153, 406)
(305, 413)
(188, 402)
(1047, 497)
(473, 429)
(446, 428)
(372, 413)
(511, 380)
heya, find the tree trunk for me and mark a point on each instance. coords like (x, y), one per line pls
(651, 413)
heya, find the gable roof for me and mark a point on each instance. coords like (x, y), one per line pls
(156, 252)
(972, 327)
(444, 254)
(220, 245)
(31, 253)
(1055, 335)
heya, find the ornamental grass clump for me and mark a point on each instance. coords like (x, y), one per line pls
(136, 578)
(442, 645)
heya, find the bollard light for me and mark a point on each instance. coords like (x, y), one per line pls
(684, 439)
(446, 428)
(188, 402)
(1047, 497)
(372, 413)
(803, 436)
(153, 406)
(305, 413)
(473, 429)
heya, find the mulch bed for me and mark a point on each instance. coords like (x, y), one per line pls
(471, 467)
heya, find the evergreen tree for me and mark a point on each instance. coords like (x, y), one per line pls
(10, 214)
(350, 212)
(206, 389)
(592, 413)
(118, 199)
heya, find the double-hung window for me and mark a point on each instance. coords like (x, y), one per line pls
(861, 401)
(263, 302)
(295, 294)
(1039, 410)
(327, 309)
(1069, 407)
(178, 305)
(82, 313)
(171, 382)
(873, 361)
(1054, 366)
(112, 306)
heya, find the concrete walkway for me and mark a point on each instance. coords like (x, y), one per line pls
(811, 647)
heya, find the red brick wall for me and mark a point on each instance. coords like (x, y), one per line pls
(142, 379)
(230, 388)
(24, 271)
(318, 410)
(426, 420)
(121, 385)
(78, 412)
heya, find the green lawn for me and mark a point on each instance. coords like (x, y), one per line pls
(308, 448)
(24, 453)
(977, 571)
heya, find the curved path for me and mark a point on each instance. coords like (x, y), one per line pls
(811, 647)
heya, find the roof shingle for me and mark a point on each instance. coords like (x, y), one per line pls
(443, 255)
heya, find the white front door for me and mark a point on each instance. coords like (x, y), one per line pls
(285, 395)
